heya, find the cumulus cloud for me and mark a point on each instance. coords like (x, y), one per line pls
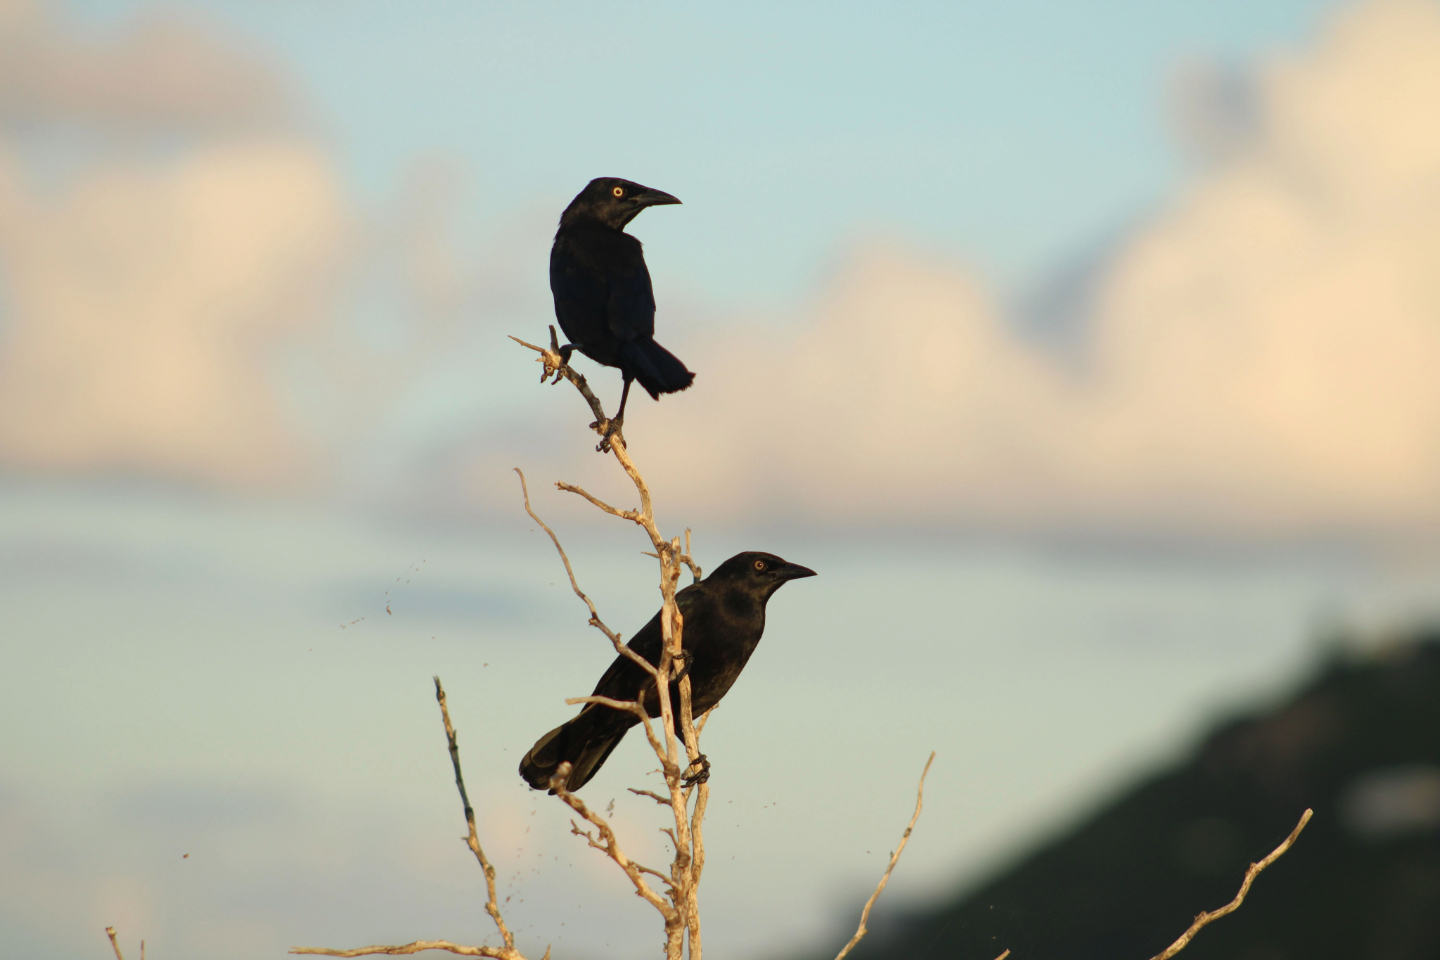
(158, 71)
(144, 293)
(1263, 356)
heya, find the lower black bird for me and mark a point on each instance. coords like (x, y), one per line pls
(603, 297)
(724, 618)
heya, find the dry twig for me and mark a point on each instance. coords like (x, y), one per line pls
(492, 906)
(595, 620)
(551, 362)
(1212, 915)
(459, 948)
(110, 931)
(894, 859)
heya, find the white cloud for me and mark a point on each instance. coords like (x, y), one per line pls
(141, 302)
(146, 292)
(1264, 355)
(159, 70)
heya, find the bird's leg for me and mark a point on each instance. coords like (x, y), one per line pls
(700, 776)
(617, 421)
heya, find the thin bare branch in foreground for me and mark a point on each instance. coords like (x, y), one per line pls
(492, 906)
(114, 943)
(894, 859)
(1250, 875)
(608, 845)
(416, 947)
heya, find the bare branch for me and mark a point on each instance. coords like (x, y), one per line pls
(595, 620)
(663, 801)
(492, 905)
(894, 859)
(628, 706)
(613, 511)
(114, 943)
(704, 718)
(1250, 875)
(551, 363)
(689, 561)
(416, 947)
(610, 846)
(625, 706)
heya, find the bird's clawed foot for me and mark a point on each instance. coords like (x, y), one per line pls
(564, 353)
(701, 775)
(555, 360)
(608, 429)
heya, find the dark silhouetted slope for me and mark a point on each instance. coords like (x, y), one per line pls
(1360, 744)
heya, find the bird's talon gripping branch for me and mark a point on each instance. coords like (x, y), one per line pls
(700, 776)
(608, 429)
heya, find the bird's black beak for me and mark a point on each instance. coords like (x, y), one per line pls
(655, 198)
(793, 571)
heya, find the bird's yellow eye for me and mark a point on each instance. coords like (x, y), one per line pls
(618, 191)
(759, 564)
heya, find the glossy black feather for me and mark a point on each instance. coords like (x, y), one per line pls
(604, 300)
(724, 617)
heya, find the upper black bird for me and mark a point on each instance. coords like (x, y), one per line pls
(724, 618)
(603, 297)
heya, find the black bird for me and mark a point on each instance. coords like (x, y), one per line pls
(724, 618)
(603, 297)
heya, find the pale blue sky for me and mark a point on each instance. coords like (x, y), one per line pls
(1016, 133)
(246, 680)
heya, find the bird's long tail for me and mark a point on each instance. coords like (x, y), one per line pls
(586, 742)
(655, 368)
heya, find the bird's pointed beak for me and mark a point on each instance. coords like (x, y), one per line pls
(793, 571)
(656, 198)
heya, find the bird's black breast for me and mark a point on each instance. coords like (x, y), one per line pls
(719, 637)
(603, 295)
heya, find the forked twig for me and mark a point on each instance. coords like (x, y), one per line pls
(894, 859)
(610, 846)
(1210, 916)
(595, 620)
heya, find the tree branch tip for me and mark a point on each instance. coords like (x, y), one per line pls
(1206, 917)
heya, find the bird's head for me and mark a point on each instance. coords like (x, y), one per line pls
(760, 573)
(614, 202)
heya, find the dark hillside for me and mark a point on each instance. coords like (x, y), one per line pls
(1360, 744)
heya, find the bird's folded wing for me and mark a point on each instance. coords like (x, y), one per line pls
(631, 304)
